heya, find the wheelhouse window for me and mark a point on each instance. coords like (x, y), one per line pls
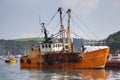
(42, 45)
(60, 45)
(53, 45)
(33, 49)
(56, 45)
(46, 45)
(49, 46)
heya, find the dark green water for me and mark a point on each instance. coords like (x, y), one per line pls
(13, 72)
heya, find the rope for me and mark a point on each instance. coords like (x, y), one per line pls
(75, 34)
(51, 19)
(85, 25)
(58, 24)
(80, 28)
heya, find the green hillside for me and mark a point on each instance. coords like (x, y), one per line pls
(113, 42)
(30, 39)
(20, 46)
(17, 46)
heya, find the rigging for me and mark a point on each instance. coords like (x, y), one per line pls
(85, 25)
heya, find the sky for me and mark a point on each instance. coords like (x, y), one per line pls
(91, 19)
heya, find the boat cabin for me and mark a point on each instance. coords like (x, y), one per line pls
(50, 47)
(44, 47)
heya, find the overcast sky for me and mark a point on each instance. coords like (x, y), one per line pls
(20, 18)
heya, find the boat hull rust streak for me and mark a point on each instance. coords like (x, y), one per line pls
(93, 59)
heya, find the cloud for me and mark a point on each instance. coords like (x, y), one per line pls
(84, 6)
(70, 3)
(117, 3)
(88, 6)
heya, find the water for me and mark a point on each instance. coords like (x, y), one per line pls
(13, 72)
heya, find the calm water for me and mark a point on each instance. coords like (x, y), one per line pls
(13, 72)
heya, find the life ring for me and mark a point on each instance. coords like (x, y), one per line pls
(21, 60)
(29, 61)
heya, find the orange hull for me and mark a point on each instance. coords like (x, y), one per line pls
(94, 59)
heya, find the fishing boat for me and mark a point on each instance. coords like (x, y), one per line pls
(54, 53)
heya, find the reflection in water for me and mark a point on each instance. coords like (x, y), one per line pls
(93, 74)
(76, 74)
(113, 74)
(13, 72)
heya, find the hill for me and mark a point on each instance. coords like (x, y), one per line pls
(30, 39)
(113, 42)
(17, 46)
(20, 46)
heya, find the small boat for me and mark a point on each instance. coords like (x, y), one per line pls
(13, 61)
(59, 53)
(10, 61)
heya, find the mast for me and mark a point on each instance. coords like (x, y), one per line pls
(68, 30)
(62, 28)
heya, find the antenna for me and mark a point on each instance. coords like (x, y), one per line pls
(40, 20)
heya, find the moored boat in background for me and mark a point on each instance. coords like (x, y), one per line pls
(9, 59)
(113, 61)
